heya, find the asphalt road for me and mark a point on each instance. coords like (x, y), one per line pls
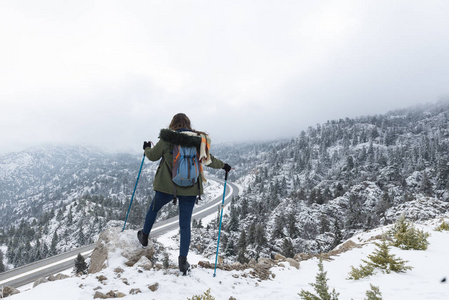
(30, 273)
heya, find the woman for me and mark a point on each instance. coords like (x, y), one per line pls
(181, 133)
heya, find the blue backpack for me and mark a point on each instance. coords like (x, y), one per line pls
(186, 168)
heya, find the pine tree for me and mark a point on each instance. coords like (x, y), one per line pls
(426, 185)
(278, 231)
(381, 259)
(291, 226)
(70, 217)
(337, 234)
(252, 233)
(444, 226)
(233, 224)
(287, 248)
(81, 237)
(320, 286)
(242, 240)
(374, 293)
(244, 208)
(324, 224)
(406, 236)
(80, 265)
(230, 248)
(260, 236)
(2, 266)
(54, 242)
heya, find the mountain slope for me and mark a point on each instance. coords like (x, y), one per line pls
(422, 282)
(337, 179)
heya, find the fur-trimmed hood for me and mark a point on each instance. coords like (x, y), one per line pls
(179, 138)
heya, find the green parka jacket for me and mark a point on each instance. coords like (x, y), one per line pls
(164, 149)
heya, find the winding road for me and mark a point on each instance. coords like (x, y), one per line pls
(43, 268)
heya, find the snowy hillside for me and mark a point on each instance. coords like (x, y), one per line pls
(305, 195)
(54, 199)
(337, 179)
(285, 281)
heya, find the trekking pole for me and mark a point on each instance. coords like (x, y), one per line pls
(143, 159)
(221, 217)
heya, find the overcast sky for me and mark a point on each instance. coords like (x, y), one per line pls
(113, 73)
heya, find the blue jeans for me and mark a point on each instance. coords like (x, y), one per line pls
(186, 204)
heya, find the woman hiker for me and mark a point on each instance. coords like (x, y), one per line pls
(180, 133)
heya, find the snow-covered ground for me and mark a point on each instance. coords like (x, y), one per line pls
(422, 282)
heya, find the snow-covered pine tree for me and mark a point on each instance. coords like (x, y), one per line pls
(2, 265)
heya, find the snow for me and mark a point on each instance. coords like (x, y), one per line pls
(422, 282)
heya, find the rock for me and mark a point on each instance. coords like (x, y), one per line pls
(205, 265)
(293, 262)
(40, 281)
(135, 291)
(252, 262)
(111, 294)
(51, 278)
(279, 257)
(113, 240)
(9, 290)
(265, 263)
(102, 278)
(346, 246)
(144, 263)
(119, 270)
(57, 277)
(154, 287)
(302, 256)
(100, 295)
(120, 295)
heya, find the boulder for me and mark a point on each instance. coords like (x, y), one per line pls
(144, 263)
(265, 263)
(57, 277)
(302, 256)
(100, 295)
(113, 241)
(293, 262)
(279, 257)
(8, 291)
(40, 281)
(101, 278)
(154, 287)
(135, 291)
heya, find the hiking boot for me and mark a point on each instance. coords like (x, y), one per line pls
(183, 264)
(143, 238)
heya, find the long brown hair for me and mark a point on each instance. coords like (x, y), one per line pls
(181, 121)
